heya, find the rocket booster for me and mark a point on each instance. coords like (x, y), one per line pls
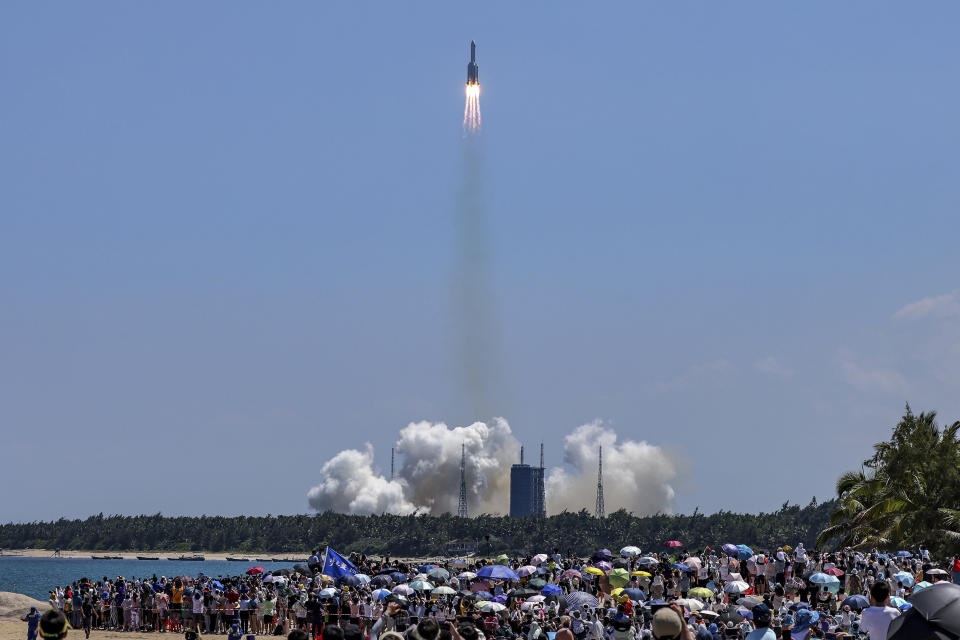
(473, 71)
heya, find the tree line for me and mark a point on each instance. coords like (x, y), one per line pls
(421, 535)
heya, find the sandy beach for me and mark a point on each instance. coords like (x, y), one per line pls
(16, 630)
(132, 555)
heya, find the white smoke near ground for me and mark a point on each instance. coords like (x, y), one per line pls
(637, 475)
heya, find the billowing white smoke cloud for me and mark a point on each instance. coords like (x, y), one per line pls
(636, 475)
(350, 485)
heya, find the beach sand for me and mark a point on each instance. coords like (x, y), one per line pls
(16, 630)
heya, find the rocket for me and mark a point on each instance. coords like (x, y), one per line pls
(473, 71)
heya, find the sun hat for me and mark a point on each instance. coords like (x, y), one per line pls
(667, 623)
(805, 618)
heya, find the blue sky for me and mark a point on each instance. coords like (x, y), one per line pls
(226, 238)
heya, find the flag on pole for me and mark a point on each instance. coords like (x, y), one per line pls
(336, 566)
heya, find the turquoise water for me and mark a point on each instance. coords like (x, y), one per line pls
(35, 577)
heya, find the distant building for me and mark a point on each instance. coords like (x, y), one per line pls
(527, 490)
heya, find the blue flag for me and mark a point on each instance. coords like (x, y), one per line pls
(336, 566)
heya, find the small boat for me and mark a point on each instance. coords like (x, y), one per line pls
(148, 557)
(229, 559)
(116, 557)
(188, 559)
(264, 559)
(101, 557)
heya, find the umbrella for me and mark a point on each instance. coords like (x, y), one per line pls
(710, 615)
(577, 599)
(526, 570)
(348, 581)
(935, 615)
(381, 581)
(501, 598)
(467, 575)
(620, 563)
(921, 586)
(536, 598)
(833, 571)
(693, 562)
(619, 577)
(630, 551)
(796, 606)
(426, 568)
(730, 549)
(700, 592)
(594, 571)
(540, 558)
(483, 595)
(551, 590)
(537, 583)
(398, 577)
(903, 554)
(522, 593)
(856, 602)
(823, 578)
(403, 590)
(421, 585)
(480, 585)
(387, 570)
(745, 613)
(380, 594)
(643, 574)
(899, 603)
(749, 602)
(492, 607)
(736, 586)
(671, 544)
(937, 572)
(905, 578)
(647, 562)
(254, 571)
(571, 573)
(302, 568)
(744, 552)
(690, 603)
(601, 554)
(502, 558)
(363, 578)
(681, 567)
(636, 595)
(498, 572)
(327, 593)
(443, 591)
(603, 565)
(438, 575)
(216, 583)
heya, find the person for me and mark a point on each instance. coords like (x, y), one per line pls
(876, 618)
(761, 619)
(86, 610)
(53, 625)
(32, 619)
(235, 633)
(668, 624)
(804, 621)
(298, 634)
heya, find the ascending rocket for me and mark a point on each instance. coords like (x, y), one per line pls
(473, 71)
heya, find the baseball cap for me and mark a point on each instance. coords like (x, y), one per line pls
(761, 614)
(667, 624)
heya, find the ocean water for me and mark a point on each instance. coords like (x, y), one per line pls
(35, 577)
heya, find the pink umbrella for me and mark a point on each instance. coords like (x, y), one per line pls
(540, 558)
(254, 571)
(603, 565)
(672, 543)
(527, 570)
(833, 571)
(571, 573)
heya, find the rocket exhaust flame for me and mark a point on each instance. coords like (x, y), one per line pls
(471, 110)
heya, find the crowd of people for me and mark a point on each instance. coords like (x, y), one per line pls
(708, 594)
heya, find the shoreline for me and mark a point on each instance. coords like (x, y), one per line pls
(163, 555)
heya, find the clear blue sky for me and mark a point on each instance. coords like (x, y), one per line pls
(226, 241)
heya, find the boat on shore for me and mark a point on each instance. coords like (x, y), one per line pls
(148, 557)
(264, 559)
(106, 557)
(229, 559)
(194, 558)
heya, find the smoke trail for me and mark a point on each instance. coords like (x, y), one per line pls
(637, 475)
(475, 308)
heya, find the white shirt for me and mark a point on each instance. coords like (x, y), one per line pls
(876, 620)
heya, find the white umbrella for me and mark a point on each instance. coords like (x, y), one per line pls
(492, 607)
(690, 603)
(937, 572)
(540, 558)
(443, 591)
(526, 570)
(467, 575)
(539, 598)
(693, 562)
(737, 586)
(403, 590)
(630, 551)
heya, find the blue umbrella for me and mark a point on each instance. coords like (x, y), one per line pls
(905, 578)
(903, 554)
(483, 595)
(348, 580)
(796, 606)
(744, 552)
(823, 578)
(636, 595)
(856, 602)
(386, 571)
(426, 568)
(381, 581)
(577, 599)
(380, 594)
(551, 590)
(900, 603)
(730, 549)
(500, 599)
(497, 572)
(398, 577)
(217, 584)
(680, 567)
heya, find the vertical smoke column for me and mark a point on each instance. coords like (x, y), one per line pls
(475, 308)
